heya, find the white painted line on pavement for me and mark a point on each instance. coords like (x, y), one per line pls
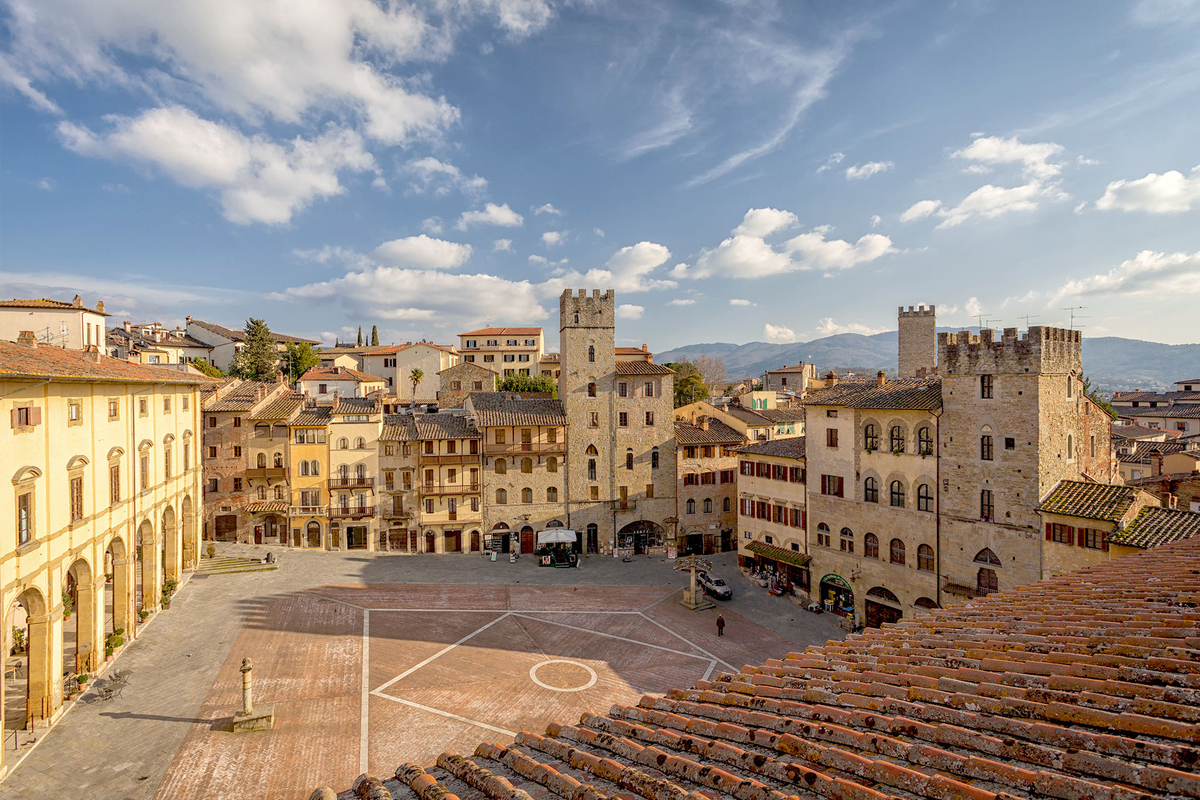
(363, 739)
(705, 657)
(693, 644)
(441, 713)
(437, 655)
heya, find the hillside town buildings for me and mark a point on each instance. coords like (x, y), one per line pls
(707, 484)
(153, 343)
(55, 322)
(225, 343)
(1177, 411)
(506, 351)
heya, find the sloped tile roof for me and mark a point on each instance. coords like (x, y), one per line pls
(503, 332)
(508, 408)
(392, 349)
(47, 303)
(783, 414)
(445, 426)
(398, 428)
(267, 505)
(1143, 450)
(242, 396)
(798, 368)
(240, 336)
(718, 433)
(315, 417)
(57, 363)
(752, 418)
(1154, 527)
(1177, 411)
(281, 407)
(340, 374)
(836, 395)
(907, 394)
(357, 405)
(1140, 432)
(642, 368)
(1080, 686)
(1090, 500)
(793, 447)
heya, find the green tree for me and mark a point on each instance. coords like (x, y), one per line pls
(300, 359)
(374, 336)
(207, 368)
(530, 383)
(689, 383)
(359, 336)
(1093, 394)
(257, 359)
(416, 376)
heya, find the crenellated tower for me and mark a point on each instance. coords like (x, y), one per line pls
(917, 341)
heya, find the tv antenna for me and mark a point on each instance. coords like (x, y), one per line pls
(1075, 316)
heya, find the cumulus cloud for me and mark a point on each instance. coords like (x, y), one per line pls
(864, 171)
(502, 246)
(1034, 157)
(747, 254)
(46, 184)
(547, 209)
(738, 301)
(829, 327)
(492, 214)
(1147, 273)
(920, 210)
(1169, 193)
(433, 225)
(778, 334)
(630, 269)
(973, 307)
(681, 301)
(441, 178)
(422, 252)
(256, 179)
(832, 162)
(627, 311)
(992, 201)
(552, 238)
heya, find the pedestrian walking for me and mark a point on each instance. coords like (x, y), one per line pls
(720, 625)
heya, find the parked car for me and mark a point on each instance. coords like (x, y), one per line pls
(713, 585)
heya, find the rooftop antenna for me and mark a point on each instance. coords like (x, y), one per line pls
(1075, 316)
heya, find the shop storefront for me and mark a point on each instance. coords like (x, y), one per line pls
(641, 538)
(837, 596)
(788, 568)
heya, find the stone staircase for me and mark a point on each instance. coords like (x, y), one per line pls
(230, 565)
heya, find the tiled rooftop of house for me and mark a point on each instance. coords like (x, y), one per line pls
(1091, 500)
(315, 417)
(239, 336)
(494, 409)
(642, 368)
(1154, 527)
(783, 414)
(357, 405)
(281, 407)
(779, 448)
(1143, 450)
(1140, 432)
(1176, 411)
(901, 394)
(339, 374)
(392, 349)
(749, 416)
(53, 304)
(503, 332)
(57, 363)
(445, 426)
(398, 428)
(717, 432)
(1085, 685)
(242, 395)
(797, 368)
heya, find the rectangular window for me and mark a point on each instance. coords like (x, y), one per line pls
(689, 479)
(212, 422)
(167, 463)
(237, 451)
(623, 419)
(832, 485)
(187, 456)
(648, 389)
(500, 436)
(489, 359)
(428, 505)
(708, 478)
(451, 446)
(114, 484)
(509, 358)
(114, 409)
(143, 407)
(552, 435)
(650, 490)
(186, 403)
(985, 387)
(77, 498)
(237, 422)
(831, 412)
(429, 448)
(728, 476)
(747, 467)
(237, 484)
(593, 492)
(212, 485)
(985, 447)
(145, 473)
(474, 503)
(24, 517)
(622, 390)
(166, 404)
(1010, 443)
(593, 419)
(831, 437)
(1093, 538)
(74, 412)
(796, 474)
(212, 450)
(1063, 534)
(987, 510)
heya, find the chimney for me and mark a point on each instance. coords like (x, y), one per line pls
(335, 398)
(128, 326)
(831, 378)
(100, 306)
(1156, 463)
(27, 338)
(92, 353)
(187, 319)
(704, 423)
(77, 302)
(880, 380)
(645, 348)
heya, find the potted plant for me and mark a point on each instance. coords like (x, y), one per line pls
(20, 640)
(211, 550)
(108, 577)
(143, 614)
(82, 681)
(68, 603)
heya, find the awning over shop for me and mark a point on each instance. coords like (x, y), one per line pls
(278, 506)
(556, 536)
(779, 554)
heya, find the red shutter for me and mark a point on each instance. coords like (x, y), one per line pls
(1070, 535)
(1103, 540)
(1049, 532)
(35, 416)
(1082, 537)
(13, 417)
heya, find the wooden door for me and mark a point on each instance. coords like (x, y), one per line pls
(878, 614)
(474, 541)
(258, 534)
(527, 539)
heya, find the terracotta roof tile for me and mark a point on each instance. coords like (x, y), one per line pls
(47, 303)
(239, 336)
(339, 374)
(398, 428)
(280, 408)
(445, 426)
(642, 368)
(493, 409)
(503, 332)
(357, 405)
(241, 396)
(57, 363)
(783, 414)
(1091, 500)
(793, 447)
(916, 394)
(1140, 432)
(315, 417)
(1154, 527)
(718, 433)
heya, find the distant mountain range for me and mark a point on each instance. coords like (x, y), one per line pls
(1112, 363)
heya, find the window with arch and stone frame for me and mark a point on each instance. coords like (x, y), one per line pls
(823, 537)
(896, 494)
(870, 490)
(591, 352)
(925, 558)
(986, 556)
(262, 461)
(897, 551)
(708, 505)
(691, 506)
(871, 436)
(629, 458)
(896, 439)
(278, 460)
(527, 465)
(501, 497)
(552, 494)
(360, 443)
(924, 441)
(527, 495)
(924, 497)
(871, 546)
(304, 468)
(1070, 447)
(262, 493)
(846, 540)
(343, 443)
(279, 493)
(501, 466)
(654, 458)
(551, 464)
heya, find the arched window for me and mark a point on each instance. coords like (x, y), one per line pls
(823, 528)
(897, 439)
(576, 319)
(360, 471)
(304, 468)
(925, 441)
(315, 467)
(360, 443)
(262, 460)
(708, 505)
(591, 469)
(629, 458)
(986, 581)
(871, 436)
(501, 466)
(871, 546)
(725, 505)
(691, 506)
(925, 558)
(501, 497)
(279, 493)
(552, 494)
(344, 471)
(343, 443)
(871, 490)
(278, 460)
(591, 353)
(897, 494)
(527, 465)
(654, 458)
(924, 497)
(591, 450)
(897, 551)
(262, 493)
(551, 464)
(527, 495)
(591, 390)
(986, 556)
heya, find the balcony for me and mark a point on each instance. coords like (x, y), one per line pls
(351, 483)
(307, 511)
(449, 458)
(448, 488)
(390, 512)
(963, 590)
(525, 448)
(624, 505)
(267, 473)
(351, 512)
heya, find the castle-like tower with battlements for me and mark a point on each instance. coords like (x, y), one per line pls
(917, 341)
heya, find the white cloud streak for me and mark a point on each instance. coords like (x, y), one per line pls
(628, 311)
(864, 171)
(1147, 273)
(441, 178)
(492, 214)
(1169, 193)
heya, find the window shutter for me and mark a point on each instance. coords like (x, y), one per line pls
(1070, 535)
(35, 416)
(1049, 532)
(12, 415)
(1082, 537)
(1103, 540)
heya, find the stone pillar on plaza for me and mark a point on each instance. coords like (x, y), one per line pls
(251, 718)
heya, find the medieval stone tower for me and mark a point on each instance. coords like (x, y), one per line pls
(1011, 414)
(620, 481)
(918, 341)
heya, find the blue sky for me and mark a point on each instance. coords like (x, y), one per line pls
(737, 171)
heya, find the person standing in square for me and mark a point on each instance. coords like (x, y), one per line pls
(720, 625)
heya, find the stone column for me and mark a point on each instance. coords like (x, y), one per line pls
(247, 704)
(122, 596)
(43, 630)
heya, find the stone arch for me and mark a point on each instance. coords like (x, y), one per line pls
(42, 692)
(79, 583)
(27, 473)
(897, 431)
(871, 433)
(882, 593)
(119, 565)
(591, 450)
(986, 556)
(170, 545)
(78, 462)
(147, 569)
(926, 603)
(116, 452)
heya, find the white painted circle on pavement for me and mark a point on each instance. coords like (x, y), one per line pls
(533, 675)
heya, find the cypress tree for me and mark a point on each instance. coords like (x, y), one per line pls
(359, 336)
(374, 336)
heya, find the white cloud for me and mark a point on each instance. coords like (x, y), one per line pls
(1147, 273)
(422, 252)
(46, 184)
(330, 253)
(1175, 13)
(762, 222)
(977, 169)
(141, 295)
(828, 327)
(1169, 193)
(492, 214)
(118, 188)
(1086, 162)
(973, 307)
(920, 210)
(1033, 157)
(12, 77)
(832, 162)
(992, 201)
(865, 171)
(1079, 209)
(547, 209)
(256, 180)
(433, 225)
(627, 311)
(778, 334)
(875, 220)
(680, 301)
(628, 270)
(552, 238)
(738, 301)
(599, 232)
(502, 246)
(442, 177)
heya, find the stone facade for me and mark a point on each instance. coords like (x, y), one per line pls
(918, 348)
(455, 383)
(266, 452)
(308, 462)
(707, 485)
(620, 478)
(354, 428)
